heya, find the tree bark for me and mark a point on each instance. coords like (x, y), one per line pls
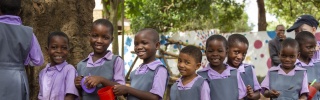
(262, 22)
(73, 17)
(114, 20)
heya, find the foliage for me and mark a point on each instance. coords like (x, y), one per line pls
(183, 15)
(289, 10)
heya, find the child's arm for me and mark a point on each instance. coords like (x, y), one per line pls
(205, 91)
(93, 81)
(256, 88)
(35, 56)
(271, 94)
(157, 91)
(119, 71)
(70, 97)
(303, 96)
(143, 95)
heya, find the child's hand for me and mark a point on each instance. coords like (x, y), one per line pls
(250, 92)
(77, 81)
(316, 85)
(120, 90)
(92, 81)
(274, 94)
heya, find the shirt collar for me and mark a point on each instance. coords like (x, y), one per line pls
(225, 72)
(302, 64)
(280, 71)
(10, 19)
(108, 56)
(188, 85)
(152, 65)
(58, 67)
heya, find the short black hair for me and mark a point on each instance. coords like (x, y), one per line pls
(279, 25)
(290, 42)
(154, 33)
(57, 33)
(193, 51)
(301, 37)
(10, 7)
(217, 37)
(234, 38)
(105, 23)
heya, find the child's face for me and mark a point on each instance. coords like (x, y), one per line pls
(187, 65)
(145, 46)
(307, 48)
(288, 56)
(100, 38)
(305, 27)
(58, 50)
(216, 53)
(236, 53)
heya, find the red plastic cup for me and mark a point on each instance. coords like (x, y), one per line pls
(106, 93)
(312, 92)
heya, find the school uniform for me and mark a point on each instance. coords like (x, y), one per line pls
(151, 77)
(313, 72)
(198, 87)
(19, 47)
(57, 81)
(290, 85)
(225, 86)
(109, 66)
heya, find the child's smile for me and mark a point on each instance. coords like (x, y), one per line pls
(58, 49)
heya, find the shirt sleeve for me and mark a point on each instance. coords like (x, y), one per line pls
(70, 87)
(265, 83)
(159, 82)
(119, 71)
(273, 54)
(255, 81)
(35, 56)
(241, 86)
(205, 91)
(316, 56)
(305, 84)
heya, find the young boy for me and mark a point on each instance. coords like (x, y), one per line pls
(19, 47)
(189, 61)
(149, 80)
(286, 81)
(237, 50)
(307, 43)
(310, 24)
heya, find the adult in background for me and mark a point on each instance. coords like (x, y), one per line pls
(310, 24)
(275, 43)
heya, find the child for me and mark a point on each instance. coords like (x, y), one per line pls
(149, 80)
(189, 61)
(286, 81)
(237, 50)
(19, 48)
(224, 81)
(101, 67)
(310, 24)
(307, 43)
(56, 79)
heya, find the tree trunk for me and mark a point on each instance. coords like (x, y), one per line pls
(114, 20)
(74, 17)
(262, 22)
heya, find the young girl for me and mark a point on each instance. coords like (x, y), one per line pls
(56, 79)
(237, 50)
(224, 81)
(190, 83)
(19, 47)
(307, 44)
(286, 81)
(101, 67)
(149, 81)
